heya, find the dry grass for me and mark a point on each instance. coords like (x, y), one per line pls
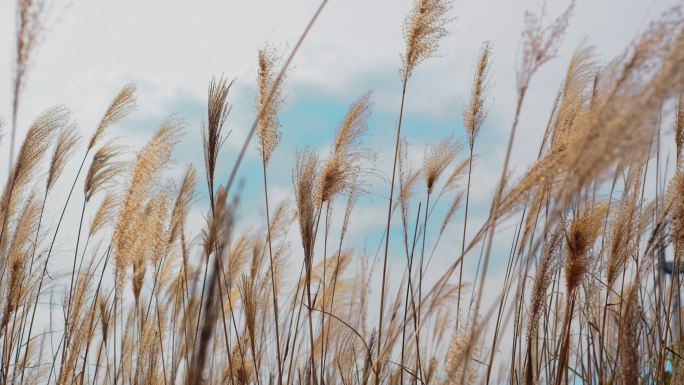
(587, 293)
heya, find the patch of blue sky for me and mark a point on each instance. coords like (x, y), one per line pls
(310, 118)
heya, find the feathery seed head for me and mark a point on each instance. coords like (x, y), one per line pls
(623, 229)
(540, 43)
(212, 132)
(578, 92)
(424, 27)
(580, 237)
(353, 126)
(457, 173)
(122, 104)
(304, 178)
(38, 139)
(249, 301)
(341, 171)
(66, 144)
(159, 215)
(437, 158)
(25, 226)
(219, 228)
(546, 268)
(476, 110)
(455, 204)
(132, 216)
(629, 360)
(269, 100)
(184, 197)
(30, 26)
(103, 169)
(104, 215)
(674, 200)
(407, 179)
(407, 182)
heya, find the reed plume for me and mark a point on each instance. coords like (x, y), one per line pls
(437, 158)
(38, 140)
(341, 172)
(343, 167)
(267, 108)
(304, 177)
(580, 236)
(15, 261)
(546, 269)
(675, 190)
(269, 100)
(424, 28)
(451, 211)
(579, 239)
(67, 140)
(123, 103)
(250, 306)
(304, 181)
(213, 137)
(579, 90)
(624, 230)
(458, 172)
(628, 339)
(103, 171)
(457, 360)
(104, 215)
(150, 160)
(30, 28)
(216, 237)
(475, 111)
(540, 44)
(473, 117)
(407, 183)
(184, 196)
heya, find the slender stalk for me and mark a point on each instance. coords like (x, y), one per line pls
(409, 289)
(95, 299)
(22, 324)
(325, 257)
(465, 227)
(495, 207)
(274, 289)
(45, 266)
(65, 345)
(420, 280)
(387, 230)
(495, 204)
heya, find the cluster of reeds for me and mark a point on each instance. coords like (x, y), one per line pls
(589, 292)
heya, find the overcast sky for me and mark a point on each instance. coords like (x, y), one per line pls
(172, 48)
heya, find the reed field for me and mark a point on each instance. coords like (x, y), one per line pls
(146, 294)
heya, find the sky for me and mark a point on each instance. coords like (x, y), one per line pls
(171, 49)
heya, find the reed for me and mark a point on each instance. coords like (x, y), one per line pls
(589, 292)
